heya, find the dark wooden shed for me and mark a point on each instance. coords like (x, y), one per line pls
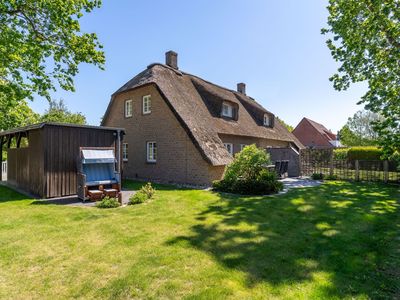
(42, 158)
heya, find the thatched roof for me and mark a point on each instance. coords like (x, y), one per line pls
(196, 103)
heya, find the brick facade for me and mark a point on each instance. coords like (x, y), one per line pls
(309, 136)
(237, 141)
(178, 160)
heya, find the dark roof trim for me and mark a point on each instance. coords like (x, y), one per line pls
(41, 125)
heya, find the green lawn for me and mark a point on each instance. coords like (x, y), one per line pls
(339, 240)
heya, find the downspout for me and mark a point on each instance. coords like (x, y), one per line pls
(119, 151)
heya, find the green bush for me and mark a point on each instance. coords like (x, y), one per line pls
(148, 190)
(340, 153)
(317, 176)
(138, 198)
(364, 153)
(108, 202)
(395, 157)
(331, 177)
(247, 174)
(247, 164)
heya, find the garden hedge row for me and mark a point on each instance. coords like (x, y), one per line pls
(358, 153)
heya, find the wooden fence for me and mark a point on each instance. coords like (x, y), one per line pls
(322, 161)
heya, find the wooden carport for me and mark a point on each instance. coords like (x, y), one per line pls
(42, 158)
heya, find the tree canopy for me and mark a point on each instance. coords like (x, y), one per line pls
(18, 115)
(365, 39)
(41, 46)
(359, 129)
(58, 112)
(288, 127)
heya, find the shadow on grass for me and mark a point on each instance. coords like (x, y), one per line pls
(348, 231)
(7, 194)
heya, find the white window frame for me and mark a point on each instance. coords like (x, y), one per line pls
(242, 146)
(125, 151)
(267, 120)
(227, 146)
(128, 112)
(229, 112)
(146, 104)
(151, 151)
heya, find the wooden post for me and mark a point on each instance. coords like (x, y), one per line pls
(385, 171)
(331, 165)
(1, 157)
(357, 166)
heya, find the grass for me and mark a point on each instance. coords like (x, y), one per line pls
(338, 240)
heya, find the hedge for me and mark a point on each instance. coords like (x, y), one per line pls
(358, 153)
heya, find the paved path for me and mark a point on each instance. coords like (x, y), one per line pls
(75, 201)
(298, 182)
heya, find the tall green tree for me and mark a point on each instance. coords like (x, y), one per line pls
(16, 116)
(359, 129)
(58, 112)
(41, 46)
(365, 40)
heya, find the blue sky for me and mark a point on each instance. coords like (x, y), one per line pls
(275, 47)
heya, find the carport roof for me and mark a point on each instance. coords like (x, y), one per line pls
(41, 125)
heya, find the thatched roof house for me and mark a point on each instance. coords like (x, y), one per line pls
(216, 120)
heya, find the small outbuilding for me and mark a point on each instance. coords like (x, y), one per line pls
(42, 158)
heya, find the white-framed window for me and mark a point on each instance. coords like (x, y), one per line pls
(125, 151)
(242, 146)
(267, 120)
(128, 108)
(146, 104)
(227, 110)
(229, 147)
(151, 151)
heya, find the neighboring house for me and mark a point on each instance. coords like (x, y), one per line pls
(315, 135)
(183, 129)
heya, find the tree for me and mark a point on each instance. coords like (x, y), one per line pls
(359, 129)
(288, 127)
(16, 116)
(58, 112)
(41, 45)
(366, 41)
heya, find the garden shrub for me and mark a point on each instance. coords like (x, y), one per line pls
(317, 176)
(340, 153)
(247, 174)
(138, 198)
(146, 192)
(364, 153)
(395, 157)
(108, 202)
(331, 177)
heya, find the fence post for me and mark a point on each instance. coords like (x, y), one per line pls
(331, 165)
(357, 166)
(385, 171)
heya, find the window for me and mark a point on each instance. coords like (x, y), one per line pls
(125, 151)
(151, 151)
(128, 108)
(146, 104)
(242, 146)
(227, 110)
(267, 120)
(229, 147)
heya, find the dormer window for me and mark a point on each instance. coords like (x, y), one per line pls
(227, 110)
(267, 120)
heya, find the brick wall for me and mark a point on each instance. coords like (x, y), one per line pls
(236, 141)
(178, 160)
(309, 136)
